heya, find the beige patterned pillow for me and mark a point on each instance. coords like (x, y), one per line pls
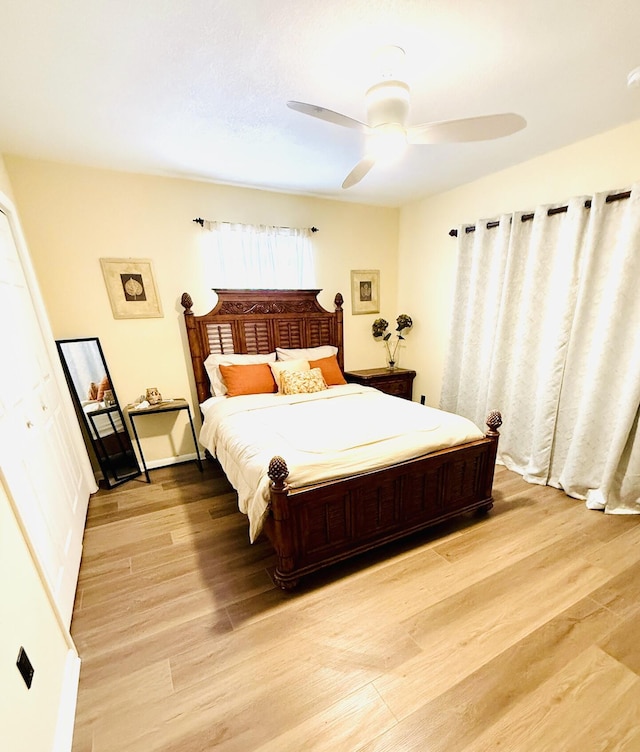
(289, 365)
(302, 382)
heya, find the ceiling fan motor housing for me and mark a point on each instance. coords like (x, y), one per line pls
(387, 102)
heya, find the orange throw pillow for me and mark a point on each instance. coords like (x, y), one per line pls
(330, 370)
(250, 379)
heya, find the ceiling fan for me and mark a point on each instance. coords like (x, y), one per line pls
(387, 103)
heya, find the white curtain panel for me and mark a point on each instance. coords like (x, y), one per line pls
(482, 260)
(536, 310)
(546, 329)
(596, 435)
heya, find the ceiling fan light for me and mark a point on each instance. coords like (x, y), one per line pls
(387, 143)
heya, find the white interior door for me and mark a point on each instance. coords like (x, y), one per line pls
(39, 459)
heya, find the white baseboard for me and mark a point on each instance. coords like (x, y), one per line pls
(68, 700)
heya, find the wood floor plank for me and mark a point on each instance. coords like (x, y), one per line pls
(582, 694)
(337, 728)
(132, 530)
(249, 705)
(154, 680)
(620, 552)
(139, 620)
(482, 633)
(101, 570)
(369, 586)
(615, 728)
(462, 632)
(373, 648)
(618, 645)
(196, 635)
(621, 593)
(458, 716)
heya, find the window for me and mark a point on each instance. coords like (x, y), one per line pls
(248, 256)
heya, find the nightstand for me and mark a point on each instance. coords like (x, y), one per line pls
(395, 381)
(163, 407)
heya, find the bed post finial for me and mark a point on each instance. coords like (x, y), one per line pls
(186, 302)
(494, 421)
(338, 301)
(278, 472)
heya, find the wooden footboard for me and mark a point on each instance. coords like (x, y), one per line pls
(316, 526)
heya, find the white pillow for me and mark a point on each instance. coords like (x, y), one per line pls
(218, 387)
(287, 365)
(306, 353)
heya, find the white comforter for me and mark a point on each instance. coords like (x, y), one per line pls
(322, 436)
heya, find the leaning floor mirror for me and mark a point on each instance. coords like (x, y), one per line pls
(98, 408)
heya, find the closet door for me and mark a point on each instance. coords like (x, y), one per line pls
(39, 459)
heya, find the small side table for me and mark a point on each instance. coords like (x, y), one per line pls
(395, 381)
(163, 407)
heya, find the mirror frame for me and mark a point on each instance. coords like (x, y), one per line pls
(112, 476)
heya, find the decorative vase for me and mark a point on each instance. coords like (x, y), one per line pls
(392, 364)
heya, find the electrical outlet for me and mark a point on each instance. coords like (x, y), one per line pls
(423, 399)
(24, 667)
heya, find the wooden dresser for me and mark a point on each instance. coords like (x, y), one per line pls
(395, 381)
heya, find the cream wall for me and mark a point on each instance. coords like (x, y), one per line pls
(427, 255)
(5, 184)
(72, 216)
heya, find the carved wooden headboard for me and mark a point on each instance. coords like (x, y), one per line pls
(258, 321)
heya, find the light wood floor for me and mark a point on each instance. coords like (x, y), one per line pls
(518, 631)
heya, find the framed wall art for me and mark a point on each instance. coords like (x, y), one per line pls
(365, 291)
(131, 288)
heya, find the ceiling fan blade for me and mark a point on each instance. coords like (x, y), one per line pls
(481, 128)
(358, 172)
(328, 115)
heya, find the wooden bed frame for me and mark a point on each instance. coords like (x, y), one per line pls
(319, 525)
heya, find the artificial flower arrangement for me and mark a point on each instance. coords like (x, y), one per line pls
(379, 331)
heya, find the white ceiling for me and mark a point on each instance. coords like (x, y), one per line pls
(198, 88)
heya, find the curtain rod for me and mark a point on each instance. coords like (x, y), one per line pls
(200, 221)
(550, 212)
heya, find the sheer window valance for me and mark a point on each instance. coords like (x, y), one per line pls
(258, 256)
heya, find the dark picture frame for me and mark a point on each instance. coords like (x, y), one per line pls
(365, 291)
(131, 288)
